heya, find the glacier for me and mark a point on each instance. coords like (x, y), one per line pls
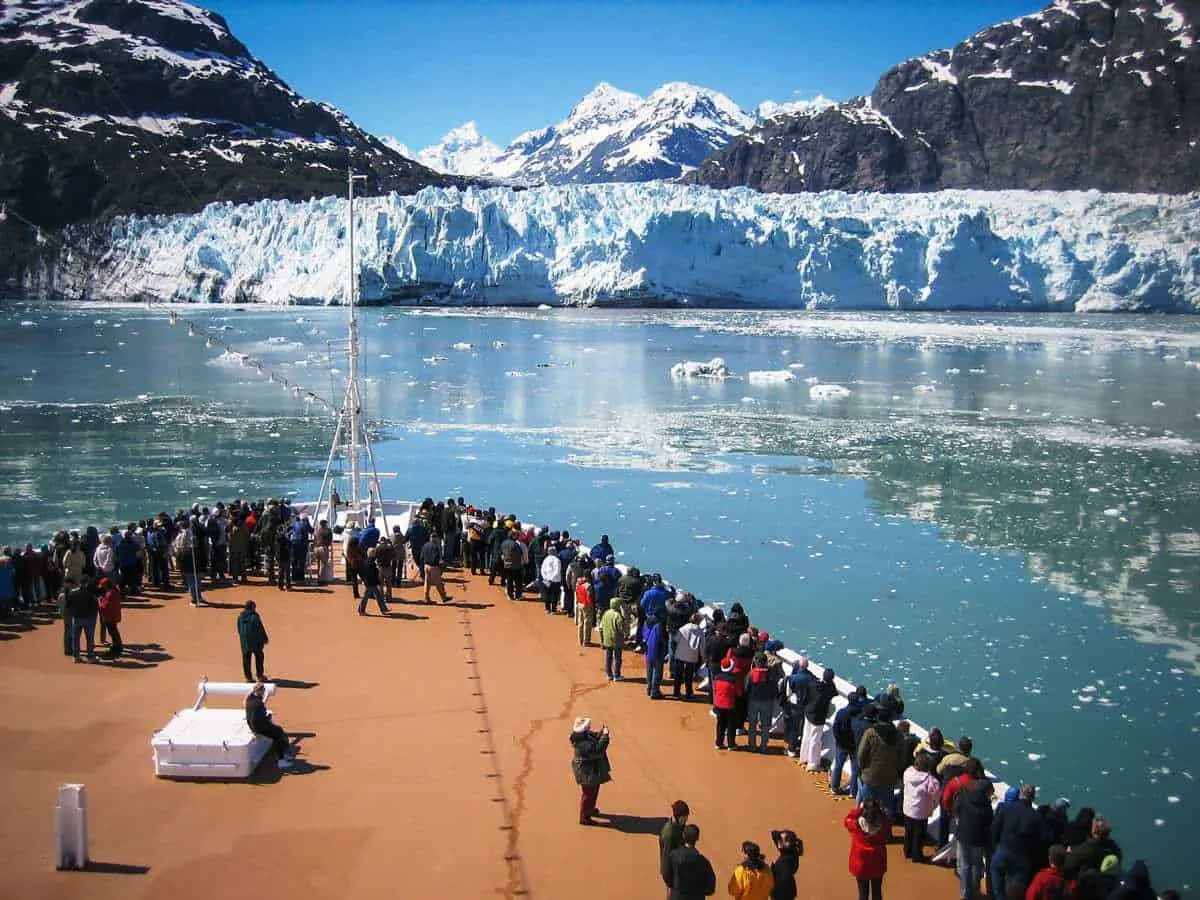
(654, 243)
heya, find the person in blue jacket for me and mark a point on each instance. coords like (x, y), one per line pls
(603, 550)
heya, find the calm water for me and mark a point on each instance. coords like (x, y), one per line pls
(1002, 515)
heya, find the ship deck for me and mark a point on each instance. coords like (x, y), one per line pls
(434, 761)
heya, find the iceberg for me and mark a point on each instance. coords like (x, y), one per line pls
(665, 243)
(829, 392)
(770, 377)
(714, 368)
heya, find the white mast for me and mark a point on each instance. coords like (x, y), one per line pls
(352, 397)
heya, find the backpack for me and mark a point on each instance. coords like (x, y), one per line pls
(182, 543)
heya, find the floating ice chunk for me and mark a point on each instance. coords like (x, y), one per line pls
(1172, 799)
(829, 392)
(782, 376)
(714, 368)
(953, 371)
(1160, 822)
(462, 345)
(1112, 512)
(26, 323)
(434, 360)
(544, 306)
(924, 388)
(1034, 757)
(229, 358)
(1158, 403)
(514, 373)
(497, 345)
(795, 365)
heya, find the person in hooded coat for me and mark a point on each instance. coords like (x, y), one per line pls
(880, 760)
(612, 638)
(751, 878)
(654, 640)
(845, 745)
(869, 828)
(253, 638)
(973, 813)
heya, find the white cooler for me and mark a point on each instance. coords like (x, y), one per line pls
(204, 742)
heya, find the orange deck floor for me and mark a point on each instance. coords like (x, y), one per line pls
(435, 762)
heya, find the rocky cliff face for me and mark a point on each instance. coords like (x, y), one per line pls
(114, 106)
(1086, 94)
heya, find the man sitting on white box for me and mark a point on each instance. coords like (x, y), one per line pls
(260, 723)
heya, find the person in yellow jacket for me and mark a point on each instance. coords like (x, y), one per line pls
(752, 879)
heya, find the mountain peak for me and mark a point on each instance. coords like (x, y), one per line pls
(462, 151)
(606, 101)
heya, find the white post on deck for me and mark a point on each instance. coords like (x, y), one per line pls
(70, 827)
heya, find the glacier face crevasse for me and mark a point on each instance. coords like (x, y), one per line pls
(628, 243)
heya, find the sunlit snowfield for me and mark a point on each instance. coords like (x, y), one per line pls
(1001, 514)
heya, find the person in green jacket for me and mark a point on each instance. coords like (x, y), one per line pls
(613, 632)
(253, 637)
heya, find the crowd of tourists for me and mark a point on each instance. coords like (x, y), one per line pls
(897, 781)
(1012, 849)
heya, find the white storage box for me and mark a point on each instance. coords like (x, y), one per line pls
(204, 742)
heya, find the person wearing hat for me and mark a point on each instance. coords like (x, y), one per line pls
(589, 765)
(724, 697)
(671, 837)
(260, 723)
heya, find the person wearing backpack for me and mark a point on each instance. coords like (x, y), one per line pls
(183, 548)
(760, 693)
(845, 746)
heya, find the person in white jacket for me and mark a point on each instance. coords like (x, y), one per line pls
(922, 791)
(104, 559)
(689, 650)
(551, 575)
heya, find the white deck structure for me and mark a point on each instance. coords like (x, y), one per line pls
(210, 742)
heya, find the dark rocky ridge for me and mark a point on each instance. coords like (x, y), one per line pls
(1086, 94)
(145, 106)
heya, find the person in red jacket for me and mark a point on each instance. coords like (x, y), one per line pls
(110, 616)
(1050, 883)
(869, 830)
(725, 696)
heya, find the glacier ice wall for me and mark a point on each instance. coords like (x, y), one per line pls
(656, 242)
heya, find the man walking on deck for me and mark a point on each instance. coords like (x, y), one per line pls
(432, 562)
(253, 638)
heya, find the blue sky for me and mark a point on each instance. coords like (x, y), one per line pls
(416, 69)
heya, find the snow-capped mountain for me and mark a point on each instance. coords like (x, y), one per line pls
(661, 242)
(153, 105)
(769, 109)
(1083, 94)
(610, 135)
(462, 151)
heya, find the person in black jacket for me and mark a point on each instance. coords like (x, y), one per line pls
(82, 606)
(687, 872)
(973, 813)
(260, 723)
(784, 869)
(845, 747)
(1018, 835)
